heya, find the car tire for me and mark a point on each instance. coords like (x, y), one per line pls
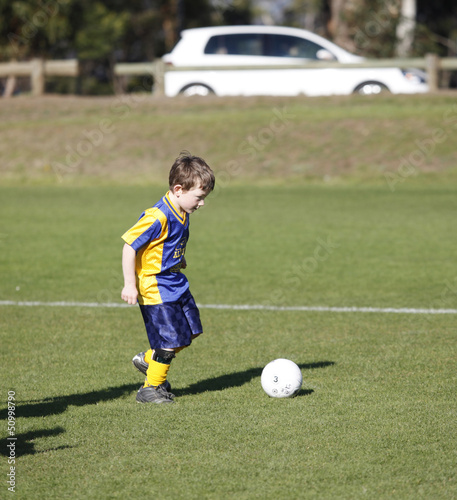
(370, 88)
(196, 89)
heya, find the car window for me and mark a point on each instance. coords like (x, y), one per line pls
(290, 46)
(245, 44)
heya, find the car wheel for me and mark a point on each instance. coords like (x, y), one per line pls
(370, 88)
(196, 89)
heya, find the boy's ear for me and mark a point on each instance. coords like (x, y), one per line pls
(177, 189)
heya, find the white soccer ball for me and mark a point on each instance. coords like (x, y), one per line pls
(281, 378)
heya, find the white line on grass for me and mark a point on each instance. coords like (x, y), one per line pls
(245, 307)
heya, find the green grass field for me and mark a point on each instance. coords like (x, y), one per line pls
(376, 416)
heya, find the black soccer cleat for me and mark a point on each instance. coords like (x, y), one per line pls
(153, 394)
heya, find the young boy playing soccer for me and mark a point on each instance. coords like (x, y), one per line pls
(152, 259)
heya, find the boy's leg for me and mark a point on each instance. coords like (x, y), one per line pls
(142, 359)
(154, 389)
(157, 371)
(167, 325)
(139, 362)
(148, 356)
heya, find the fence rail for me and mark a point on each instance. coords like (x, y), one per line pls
(38, 70)
(431, 63)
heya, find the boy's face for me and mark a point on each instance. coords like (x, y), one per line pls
(190, 200)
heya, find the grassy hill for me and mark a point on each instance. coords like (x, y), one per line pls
(133, 139)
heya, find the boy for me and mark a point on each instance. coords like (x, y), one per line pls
(152, 259)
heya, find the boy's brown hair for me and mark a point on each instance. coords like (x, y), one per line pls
(191, 172)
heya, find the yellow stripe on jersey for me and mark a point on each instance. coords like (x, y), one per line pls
(148, 290)
(149, 257)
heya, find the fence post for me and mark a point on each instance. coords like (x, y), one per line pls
(158, 72)
(432, 62)
(37, 77)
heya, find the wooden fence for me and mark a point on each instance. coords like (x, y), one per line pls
(431, 64)
(38, 70)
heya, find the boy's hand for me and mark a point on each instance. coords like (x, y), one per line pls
(129, 294)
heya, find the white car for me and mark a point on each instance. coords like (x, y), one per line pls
(250, 46)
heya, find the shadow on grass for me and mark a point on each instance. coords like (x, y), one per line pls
(59, 404)
(238, 379)
(25, 445)
(25, 442)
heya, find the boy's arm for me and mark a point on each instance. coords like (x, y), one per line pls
(129, 292)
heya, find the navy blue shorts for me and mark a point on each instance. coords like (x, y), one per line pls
(172, 324)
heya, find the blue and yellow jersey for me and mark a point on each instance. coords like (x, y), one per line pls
(159, 239)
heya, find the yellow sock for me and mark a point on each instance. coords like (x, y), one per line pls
(148, 355)
(156, 373)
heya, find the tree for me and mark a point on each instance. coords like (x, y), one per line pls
(309, 14)
(406, 27)
(102, 32)
(33, 28)
(226, 12)
(365, 27)
(338, 25)
(436, 27)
